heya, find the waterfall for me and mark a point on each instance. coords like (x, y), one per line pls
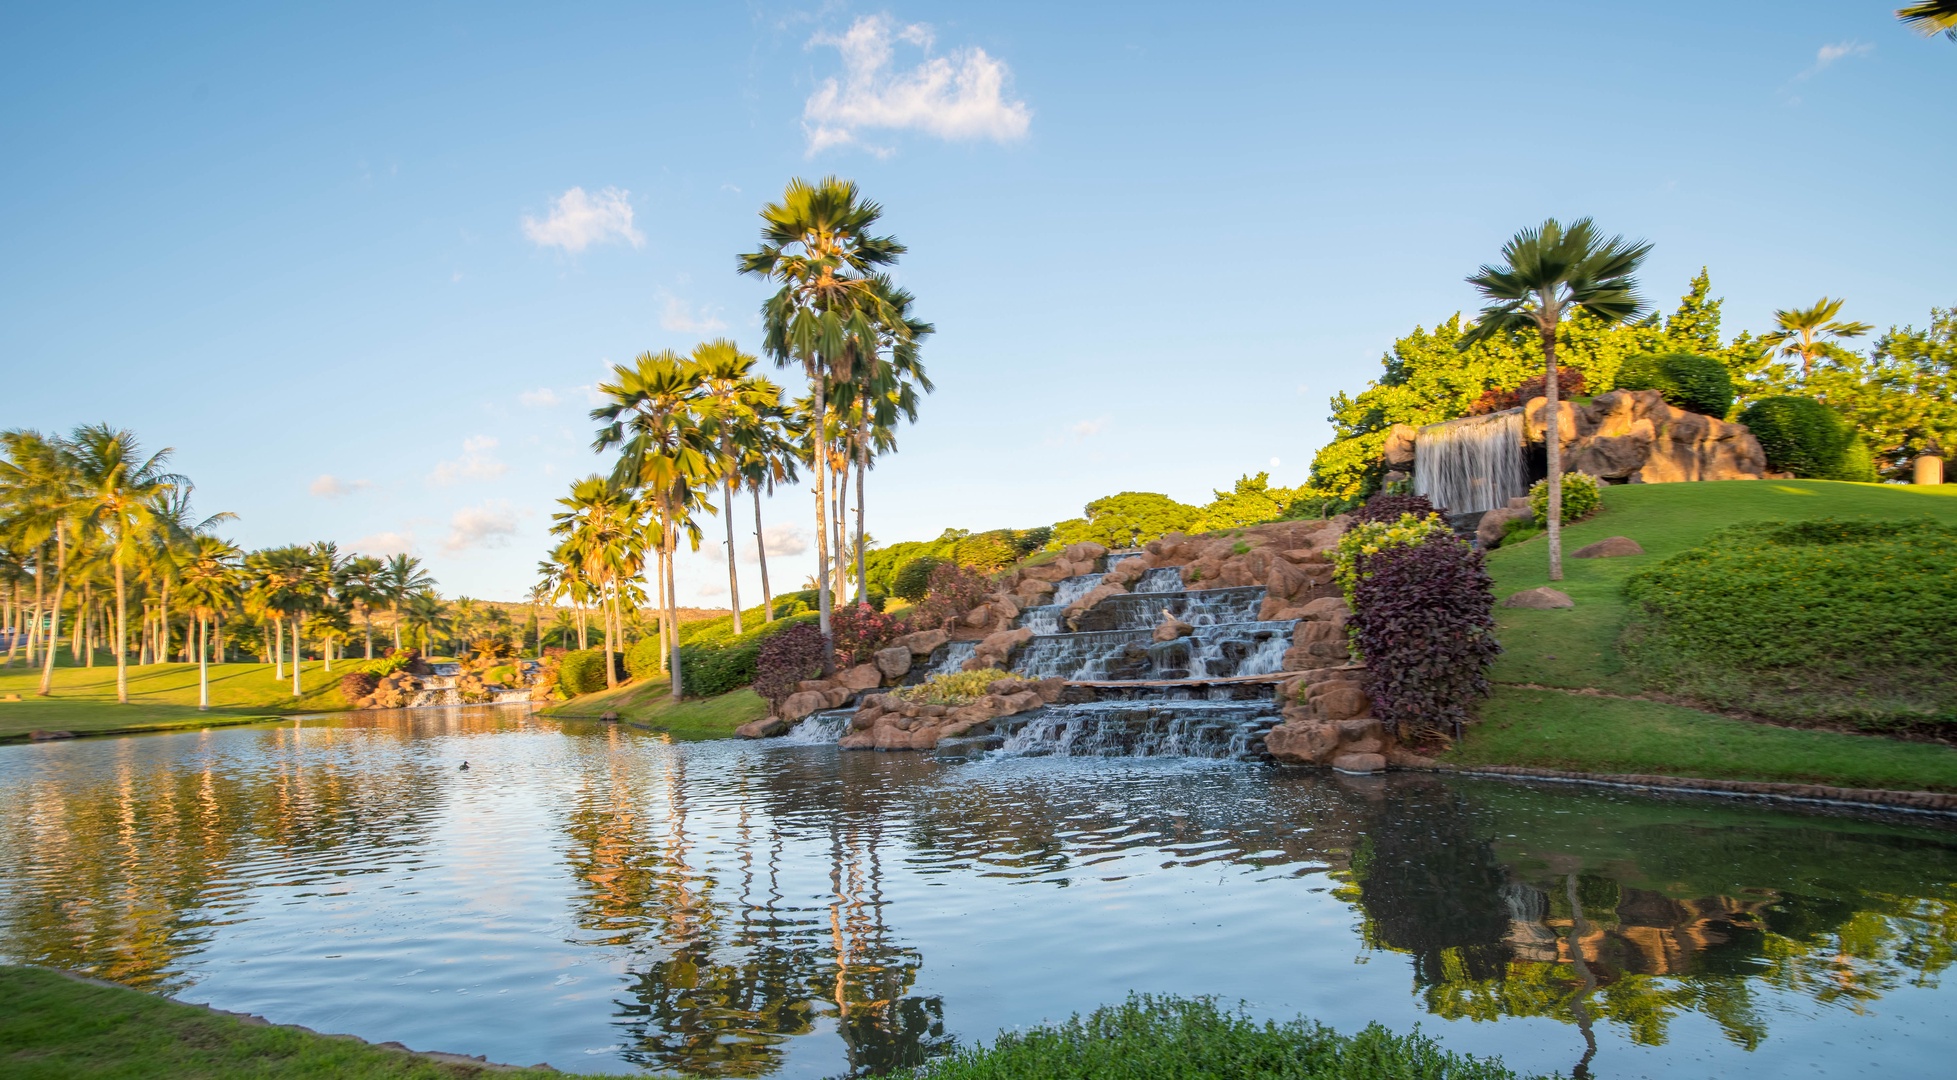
(1472, 464)
(1073, 588)
(819, 729)
(1160, 579)
(949, 658)
(1158, 728)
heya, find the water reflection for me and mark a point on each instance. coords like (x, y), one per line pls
(604, 899)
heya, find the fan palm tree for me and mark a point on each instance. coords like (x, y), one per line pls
(1550, 272)
(885, 387)
(399, 581)
(1801, 330)
(1931, 17)
(817, 243)
(361, 585)
(734, 400)
(122, 490)
(211, 580)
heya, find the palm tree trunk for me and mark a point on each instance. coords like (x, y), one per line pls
(733, 579)
(611, 676)
(220, 639)
(54, 616)
(1552, 435)
(163, 619)
(761, 554)
(298, 631)
(367, 619)
(820, 458)
(862, 476)
(278, 647)
(838, 526)
(672, 611)
(659, 560)
(396, 608)
(122, 631)
(203, 662)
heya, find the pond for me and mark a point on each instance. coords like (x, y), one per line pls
(605, 900)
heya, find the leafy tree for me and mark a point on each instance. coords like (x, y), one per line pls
(1802, 330)
(1902, 398)
(1251, 501)
(1128, 519)
(361, 585)
(121, 491)
(1550, 272)
(212, 580)
(400, 580)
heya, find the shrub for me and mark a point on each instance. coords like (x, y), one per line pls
(491, 647)
(355, 686)
(954, 688)
(1800, 435)
(913, 582)
(583, 672)
(1569, 384)
(709, 669)
(1423, 616)
(1857, 464)
(955, 590)
(1582, 495)
(787, 658)
(987, 552)
(1372, 537)
(1392, 507)
(860, 630)
(1700, 384)
(544, 686)
(1818, 621)
(642, 659)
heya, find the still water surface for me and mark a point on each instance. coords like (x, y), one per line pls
(604, 900)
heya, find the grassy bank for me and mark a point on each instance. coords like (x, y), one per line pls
(55, 1028)
(161, 697)
(649, 703)
(1578, 648)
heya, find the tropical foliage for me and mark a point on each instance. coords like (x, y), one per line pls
(1582, 495)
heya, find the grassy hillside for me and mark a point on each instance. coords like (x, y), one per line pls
(650, 704)
(161, 696)
(1577, 649)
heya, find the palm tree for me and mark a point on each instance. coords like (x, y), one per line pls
(768, 457)
(122, 490)
(1550, 272)
(886, 387)
(361, 586)
(399, 581)
(1931, 17)
(41, 488)
(735, 401)
(599, 532)
(816, 242)
(1801, 329)
(669, 454)
(175, 539)
(428, 620)
(211, 577)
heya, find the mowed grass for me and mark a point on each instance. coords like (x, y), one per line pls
(1577, 648)
(161, 696)
(650, 703)
(56, 1028)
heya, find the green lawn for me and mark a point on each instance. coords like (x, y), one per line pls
(161, 696)
(54, 1027)
(649, 703)
(1576, 648)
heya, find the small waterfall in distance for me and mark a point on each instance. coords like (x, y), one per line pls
(1472, 464)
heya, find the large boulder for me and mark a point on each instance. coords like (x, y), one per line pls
(1634, 436)
(1610, 548)
(894, 662)
(765, 728)
(862, 677)
(1488, 532)
(924, 642)
(802, 703)
(1398, 448)
(1541, 598)
(996, 649)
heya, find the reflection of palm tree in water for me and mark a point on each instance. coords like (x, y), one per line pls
(1581, 1006)
(882, 1029)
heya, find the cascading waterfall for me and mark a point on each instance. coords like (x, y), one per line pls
(1157, 728)
(1073, 588)
(819, 729)
(1472, 464)
(1160, 579)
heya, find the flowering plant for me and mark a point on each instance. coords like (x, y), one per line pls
(1373, 537)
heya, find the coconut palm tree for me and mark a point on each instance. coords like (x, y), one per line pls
(122, 490)
(1550, 272)
(360, 583)
(1801, 330)
(768, 457)
(1931, 17)
(885, 387)
(212, 576)
(817, 243)
(174, 540)
(40, 485)
(427, 619)
(733, 400)
(400, 580)
(598, 527)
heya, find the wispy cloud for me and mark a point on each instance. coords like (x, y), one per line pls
(1826, 56)
(1087, 429)
(680, 317)
(578, 220)
(962, 95)
(541, 398)
(385, 543)
(783, 538)
(329, 486)
(476, 463)
(489, 525)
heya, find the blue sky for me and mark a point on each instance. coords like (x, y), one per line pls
(360, 265)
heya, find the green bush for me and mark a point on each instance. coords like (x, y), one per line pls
(642, 659)
(1857, 464)
(1819, 621)
(1582, 495)
(913, 582)
(707, 670)
(1700, 384)
(952, 688)
(1800, 435)
(583, 672)
(1169, 1038)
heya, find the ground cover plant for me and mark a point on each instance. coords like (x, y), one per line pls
(952, 688)
(1171, 1038)
(1812, 621)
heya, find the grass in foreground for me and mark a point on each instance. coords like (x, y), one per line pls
(650, 703)
(1555, 730)
(161, 696)
(54, 1027)
(1151, 1038)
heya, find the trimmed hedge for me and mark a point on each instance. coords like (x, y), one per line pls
(1800, 435)
(711, 668)
(1688, 381)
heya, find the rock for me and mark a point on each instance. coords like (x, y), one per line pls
(813, 686)
(1171, 628)
(1398, 448)
(1359, 763)
(1046, 573)
(1361, 729)
(924, 642)
(1339, 701)
(1034, 591)
(41, 735)
(1608, 548)
(894, 662)
(1311, 633)
(862, 677)
(978, 616)
(1094, 596)
(1283, 579)
(765, 728)
(1127, 571)
(608, 717)
(1541, 597)
(1086, 551)
(1634, 436)
(836, 697)
(1496, 522)
(1330, 609)
(802, 703)
(997, 648)
(1301, 743)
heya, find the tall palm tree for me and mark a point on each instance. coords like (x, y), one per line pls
(211, 580)
(734, 400)
(361, 585)
(1550, 272)
(41, 485)
(1800, 331)
(428, 620)
(817, 243)
(885, 387)
(175, 539)
(597, 524)
(768, 457)
(1931, 17)
(399, 581)
(122, 490)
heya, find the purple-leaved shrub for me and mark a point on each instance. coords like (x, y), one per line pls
(1423, 617)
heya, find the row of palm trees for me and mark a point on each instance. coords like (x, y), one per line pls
(94, 534)
(688, 428)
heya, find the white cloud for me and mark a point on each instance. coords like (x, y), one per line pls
(476, 463)
(1087, 429)
(958, 96)
(784, 540)
(329, 486)
(710, 588)
(1826, 55)
(385, 543)
(489, 525)
(541, 398)
(680, 317)
(578, 220)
